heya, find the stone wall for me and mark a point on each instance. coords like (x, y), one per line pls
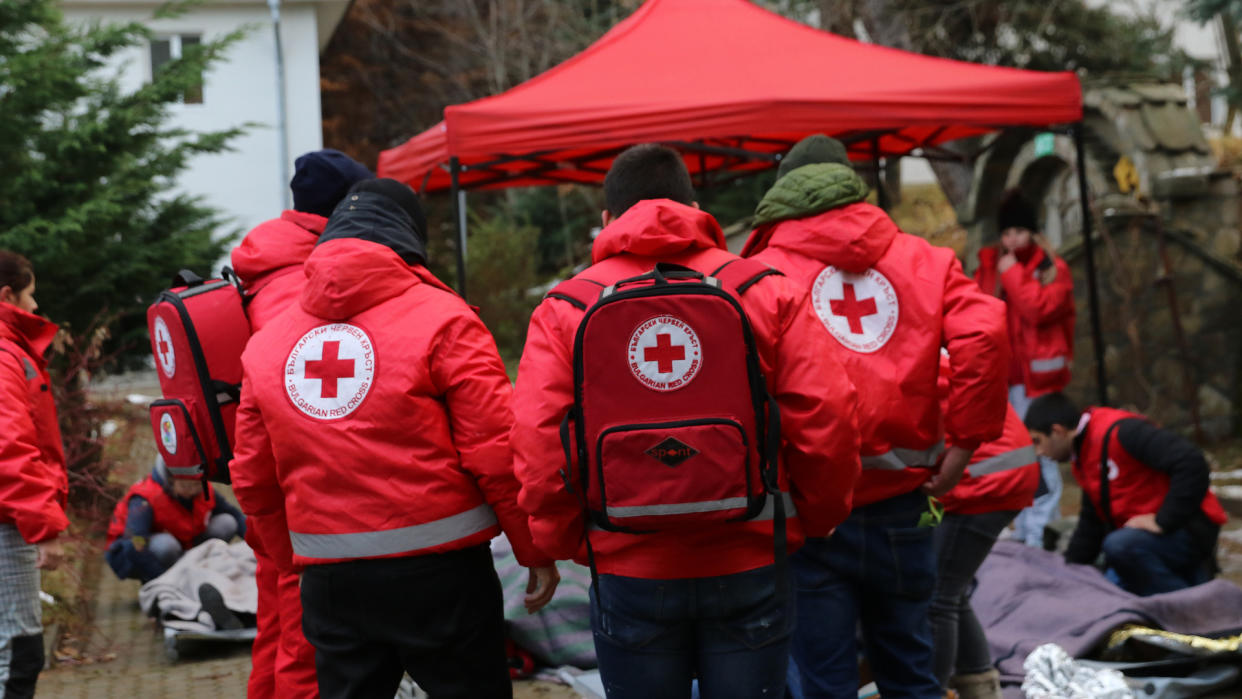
(1150, 369)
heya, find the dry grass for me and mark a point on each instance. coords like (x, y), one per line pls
(924, 211)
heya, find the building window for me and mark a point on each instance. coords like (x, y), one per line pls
(168, 48)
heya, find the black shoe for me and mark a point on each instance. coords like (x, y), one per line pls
(213, 604)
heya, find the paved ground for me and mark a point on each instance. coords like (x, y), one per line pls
(124, 658)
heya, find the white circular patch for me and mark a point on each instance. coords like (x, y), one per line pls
(860, 310)
(164, 348)
(168, 433)
(664, 353)
(330, 371)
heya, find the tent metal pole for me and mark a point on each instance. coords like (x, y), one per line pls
(881, 196)
(1093, 301)
(459, 213)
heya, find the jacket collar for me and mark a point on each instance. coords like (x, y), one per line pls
(658, 228)
(32, 333)
(347, 276)
(853, 237)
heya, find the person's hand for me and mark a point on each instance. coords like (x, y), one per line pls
(1005, 262)
(539, 588)
(948, 473)
(1042, 242)
(1146, 523)
(50, 554)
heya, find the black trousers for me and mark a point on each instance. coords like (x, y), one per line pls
(438, 617)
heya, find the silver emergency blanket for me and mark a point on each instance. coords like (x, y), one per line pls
(173, 596)
(1052, 674)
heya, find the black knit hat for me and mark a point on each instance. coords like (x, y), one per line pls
(1016, 212)
(816, 148)
(401, 195)
(322, 177)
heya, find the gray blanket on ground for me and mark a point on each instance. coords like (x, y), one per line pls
(173, 596)
(1027, 597)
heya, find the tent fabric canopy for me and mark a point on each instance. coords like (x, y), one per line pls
(734, 86)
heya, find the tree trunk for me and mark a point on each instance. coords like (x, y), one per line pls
(886, 24)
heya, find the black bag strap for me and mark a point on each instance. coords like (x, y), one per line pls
(186, 278)
(739, 274)
(1106, 505)
(578, 292)
(771, 450)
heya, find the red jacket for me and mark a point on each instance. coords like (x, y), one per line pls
(377, 415)
(1134, 487)
(168, 515)
(892, 301)
(1041, 318)
(819, 454)
(270, 259)
(269, 264)
(1003, 474)
(33, 482)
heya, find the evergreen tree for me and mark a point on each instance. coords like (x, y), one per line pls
(87, 193)
(87, 170)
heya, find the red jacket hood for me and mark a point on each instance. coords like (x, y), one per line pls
(852, 238)
(30, 332)
(347, 276)
(657, 228)
(275, 245)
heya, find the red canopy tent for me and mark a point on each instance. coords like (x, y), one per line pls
(732, 82)
(730, 85)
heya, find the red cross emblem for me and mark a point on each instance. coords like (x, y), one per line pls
(334, 383)
(164, 348)
(329, 369)
(853, 309)
(664, 353)
(859, 309)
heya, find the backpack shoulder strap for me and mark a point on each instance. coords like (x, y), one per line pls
(739, 274)
(1106, 504)
(579, 293)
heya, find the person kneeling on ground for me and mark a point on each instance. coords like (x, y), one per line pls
(1146, 503)
(161, 518)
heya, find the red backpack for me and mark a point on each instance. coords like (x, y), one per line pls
(672, 425)
(198, 331)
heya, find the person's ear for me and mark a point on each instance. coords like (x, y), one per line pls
(1059, 431)
(605, 217)
(7, 295)
(695, 204)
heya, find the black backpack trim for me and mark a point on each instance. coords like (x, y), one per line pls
(211, 388)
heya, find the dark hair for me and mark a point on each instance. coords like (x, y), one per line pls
(15, 271)
(1051, 409)
(646, 171)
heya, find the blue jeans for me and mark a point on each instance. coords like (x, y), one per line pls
(962, 542)
(1029, 524)
(1148, 564)
(877, 570)
(653, 637)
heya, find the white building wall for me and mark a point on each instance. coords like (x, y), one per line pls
(244, 183)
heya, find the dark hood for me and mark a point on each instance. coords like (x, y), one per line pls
(377, 219)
